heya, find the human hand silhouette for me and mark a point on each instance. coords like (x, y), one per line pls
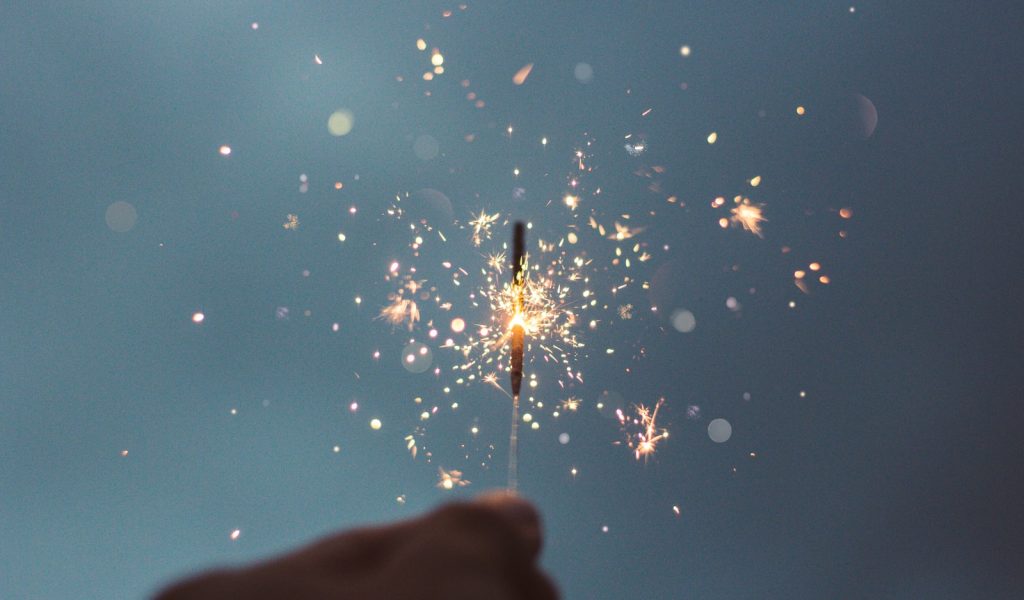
(486, 548)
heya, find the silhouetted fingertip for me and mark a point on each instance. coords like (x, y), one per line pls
(512, 506)
(520, 512)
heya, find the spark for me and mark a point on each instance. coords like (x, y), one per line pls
(624, 232)
(636, 149)
(496, 262)
(571, 404)
(645, 441)
(749, 216)
(450, 479)
(520, 77)
(401, 310)
(481, 224)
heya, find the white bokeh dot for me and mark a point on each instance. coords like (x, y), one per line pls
(340, 122)
(121, 216)
(719, 430)
(416, 357)
(683, 320)
(583, 72)
(425, 147)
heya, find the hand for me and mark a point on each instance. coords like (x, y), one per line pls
(484, 549)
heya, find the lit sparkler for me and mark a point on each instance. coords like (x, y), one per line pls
(518, 331)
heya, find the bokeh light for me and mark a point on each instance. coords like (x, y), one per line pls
(583, 72)
(340, 122)
(683, 320)
(417, 357)
(425, 147)
(121, 216)
(719, 430)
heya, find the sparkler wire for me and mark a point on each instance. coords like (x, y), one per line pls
(518, 341)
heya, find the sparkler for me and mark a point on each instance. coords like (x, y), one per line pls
(518, 340)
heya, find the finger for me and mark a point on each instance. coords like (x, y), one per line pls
(535, 585)
(209, 585)
(359, 547)
(498, 536)
(356, 549)
(520, 513)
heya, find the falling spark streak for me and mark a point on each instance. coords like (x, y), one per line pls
(520, 77)
(518, 331)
